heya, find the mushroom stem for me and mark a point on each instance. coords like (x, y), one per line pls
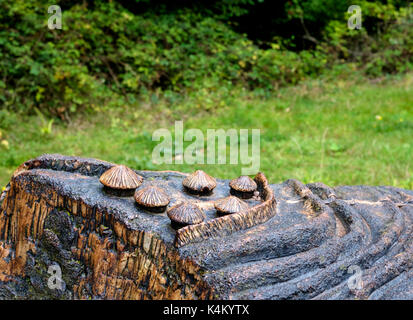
(242, 195)
(152, 209)
(119, 192)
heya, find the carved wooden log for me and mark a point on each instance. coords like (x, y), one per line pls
(297, 242)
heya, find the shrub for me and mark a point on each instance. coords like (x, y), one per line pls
(107, 53)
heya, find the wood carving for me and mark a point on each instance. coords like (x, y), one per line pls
(292, 241)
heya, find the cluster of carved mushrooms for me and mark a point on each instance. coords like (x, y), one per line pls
(123, 181)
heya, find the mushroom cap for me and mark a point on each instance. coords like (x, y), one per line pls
(230, 205)
(199, 181)
(186, 213)
(243, 184)
(120, 177)
(151, 197)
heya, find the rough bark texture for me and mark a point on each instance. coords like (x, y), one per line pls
(298, 242)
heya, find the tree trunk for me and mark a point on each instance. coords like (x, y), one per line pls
(62, 236)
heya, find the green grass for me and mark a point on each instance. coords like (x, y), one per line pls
(338, 132)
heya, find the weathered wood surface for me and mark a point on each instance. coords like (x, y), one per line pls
(300, 247)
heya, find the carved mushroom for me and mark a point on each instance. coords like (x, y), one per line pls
(230, 205)
(120, 181)
(184, 214)
(199, 182)
(152, 198)
(243, 187)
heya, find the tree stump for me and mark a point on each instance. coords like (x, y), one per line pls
(63, 237)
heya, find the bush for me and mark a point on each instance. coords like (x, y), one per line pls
(383, 47)
(108, 54)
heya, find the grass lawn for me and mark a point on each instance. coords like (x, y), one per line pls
(338, 132)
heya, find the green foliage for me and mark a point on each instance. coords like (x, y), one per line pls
(107, 54)
(386, 48)
(47, 125)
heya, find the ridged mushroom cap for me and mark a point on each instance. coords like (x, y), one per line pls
(243, 184)
(186, 213)
(230, 205)
(199, 181)
(120, 177)
(151, 197)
